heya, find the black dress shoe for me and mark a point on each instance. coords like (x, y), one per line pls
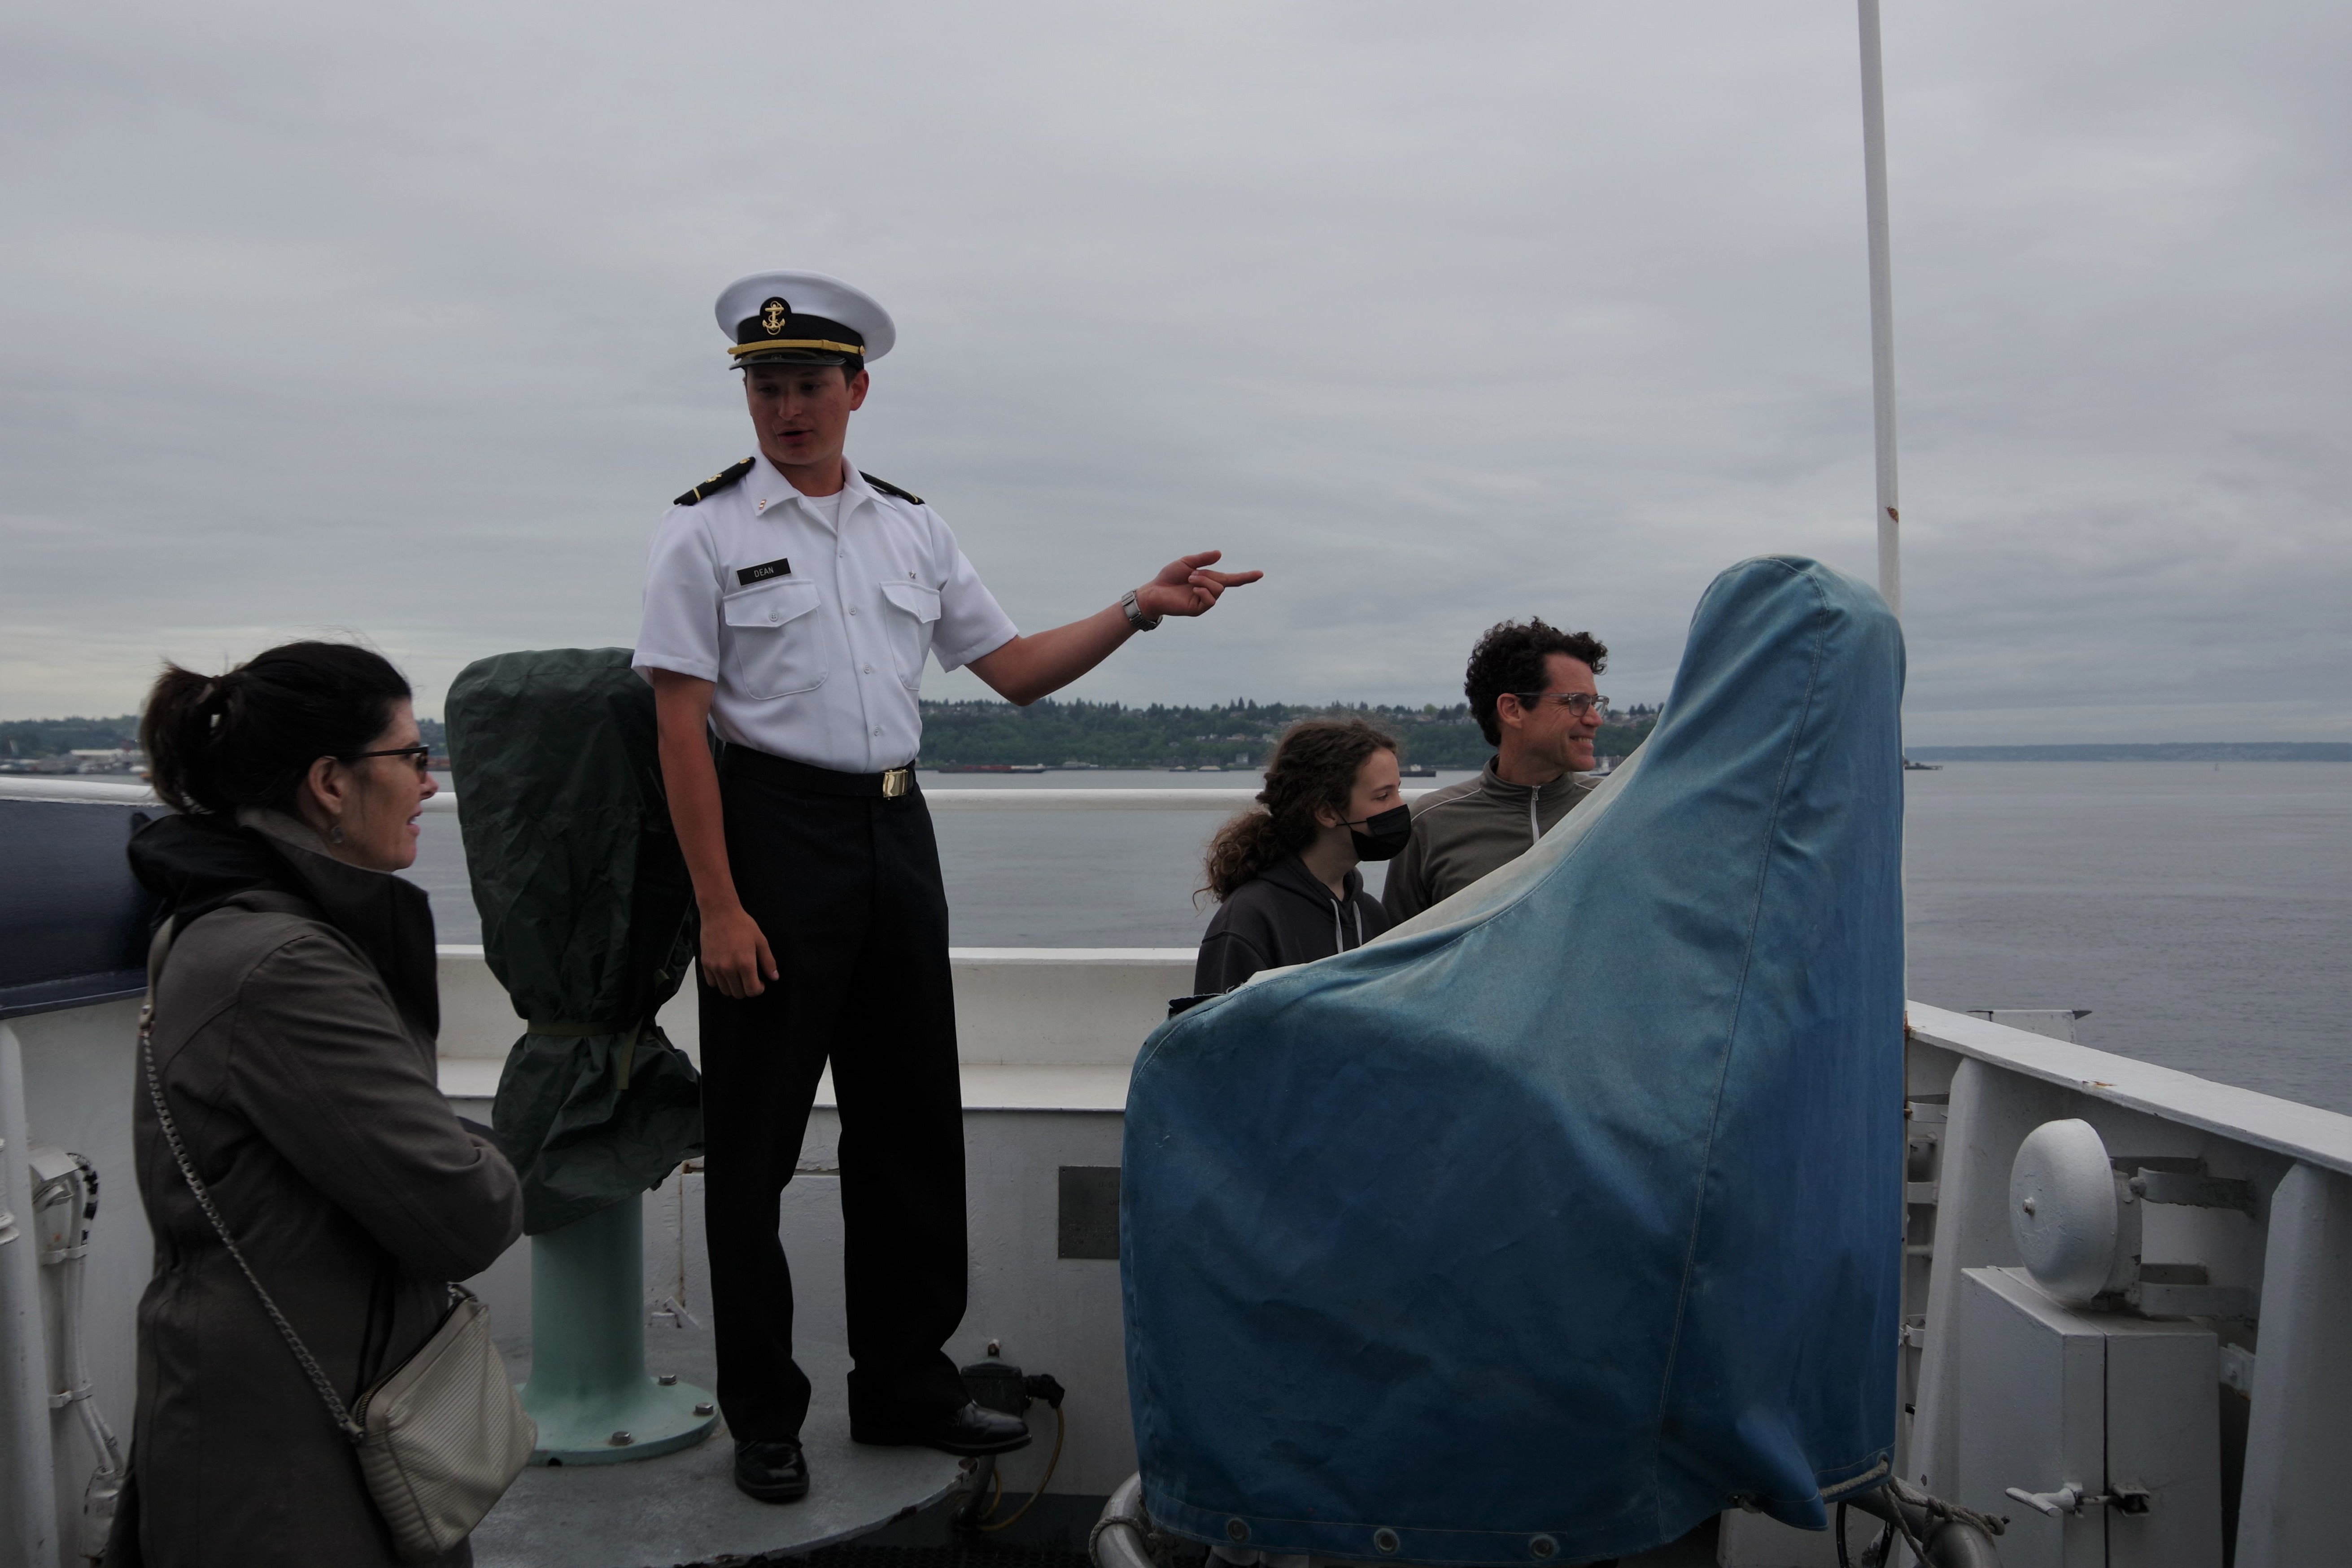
(772, 1472)
(971, 1430)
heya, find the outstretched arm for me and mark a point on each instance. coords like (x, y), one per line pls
(1029, 668)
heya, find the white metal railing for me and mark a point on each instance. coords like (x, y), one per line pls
(1015, 1006)
(1977, 1088)
(125, 793)
(2304, 1133)
(1056, 1029)
(66, 786)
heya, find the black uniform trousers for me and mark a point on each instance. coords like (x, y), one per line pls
(845, 886)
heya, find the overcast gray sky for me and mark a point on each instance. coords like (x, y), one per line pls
(396, 321)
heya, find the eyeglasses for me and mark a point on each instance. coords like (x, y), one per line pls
(1577, 702)
(420, 756)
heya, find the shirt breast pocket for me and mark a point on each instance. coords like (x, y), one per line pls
(914, 614)
(776, 647)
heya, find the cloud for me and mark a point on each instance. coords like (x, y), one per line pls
(398, 321)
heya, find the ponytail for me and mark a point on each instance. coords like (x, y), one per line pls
(1314, 765)
(1243, 849)
(249, 737)
(175, 732)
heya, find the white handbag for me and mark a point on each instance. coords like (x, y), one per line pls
(442, 1436)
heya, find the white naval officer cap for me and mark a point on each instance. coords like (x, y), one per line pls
(802, 318)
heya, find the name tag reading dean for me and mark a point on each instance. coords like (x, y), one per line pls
(779, 567)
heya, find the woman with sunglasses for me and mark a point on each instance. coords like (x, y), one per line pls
(293, 1042)
(1283, 874)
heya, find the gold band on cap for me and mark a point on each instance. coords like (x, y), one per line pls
(798, 344)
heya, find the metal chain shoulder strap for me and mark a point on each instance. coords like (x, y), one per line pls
(335, 1406)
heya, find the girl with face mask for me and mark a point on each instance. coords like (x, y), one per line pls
(1285, 872)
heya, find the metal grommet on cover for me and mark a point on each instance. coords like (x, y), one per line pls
(1236, 1530)
(1385, 1541)
(1543, 1547)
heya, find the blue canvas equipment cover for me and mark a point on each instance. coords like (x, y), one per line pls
(1571, 1212)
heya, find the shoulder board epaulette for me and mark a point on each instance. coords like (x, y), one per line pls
(724, 478)
(887, 488)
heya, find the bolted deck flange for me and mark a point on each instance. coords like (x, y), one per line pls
(589, 1390)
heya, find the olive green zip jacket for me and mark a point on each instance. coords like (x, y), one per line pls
(1463, 831)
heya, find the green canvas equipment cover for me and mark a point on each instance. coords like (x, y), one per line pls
(587, 920)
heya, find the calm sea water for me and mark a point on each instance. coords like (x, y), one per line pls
(2203, 915)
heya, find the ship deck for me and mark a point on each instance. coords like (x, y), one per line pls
(684, 1508)
(2254, 1234)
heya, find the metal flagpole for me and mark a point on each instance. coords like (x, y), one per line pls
(1882, 309)
(1890, 516)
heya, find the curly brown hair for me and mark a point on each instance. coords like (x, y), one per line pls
(1314, 764)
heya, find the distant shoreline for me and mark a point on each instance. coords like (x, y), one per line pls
(1054, 735)
(2162, 751)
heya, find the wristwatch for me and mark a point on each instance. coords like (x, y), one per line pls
(1135, 616)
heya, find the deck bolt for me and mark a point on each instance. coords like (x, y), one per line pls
(620, 1439)
(667, 1380)
(705, 1409)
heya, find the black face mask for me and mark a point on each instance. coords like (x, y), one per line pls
(1387, 834)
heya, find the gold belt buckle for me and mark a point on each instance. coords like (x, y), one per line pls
(897, 782)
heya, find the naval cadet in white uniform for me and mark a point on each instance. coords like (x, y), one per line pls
(790, 604)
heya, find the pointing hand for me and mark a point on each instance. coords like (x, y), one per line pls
(1187, 587)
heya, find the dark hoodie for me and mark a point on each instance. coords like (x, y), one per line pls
(199, 864)
(1283, 916)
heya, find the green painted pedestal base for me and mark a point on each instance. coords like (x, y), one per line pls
(588, 1388)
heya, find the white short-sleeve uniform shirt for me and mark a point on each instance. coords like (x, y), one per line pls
(813, 617)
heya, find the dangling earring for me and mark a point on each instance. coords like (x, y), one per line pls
(335, 833)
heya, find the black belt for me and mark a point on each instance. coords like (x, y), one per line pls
(786, 774)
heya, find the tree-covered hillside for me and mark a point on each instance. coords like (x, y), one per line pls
(1107, 734)
(1113, 735)
(29, 738)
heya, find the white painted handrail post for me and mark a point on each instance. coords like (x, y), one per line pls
(1990, 1113)
(2298, 1442)
(1882, 309)
(28, 1504)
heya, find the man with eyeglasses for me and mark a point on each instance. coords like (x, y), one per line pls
(1531, 690)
